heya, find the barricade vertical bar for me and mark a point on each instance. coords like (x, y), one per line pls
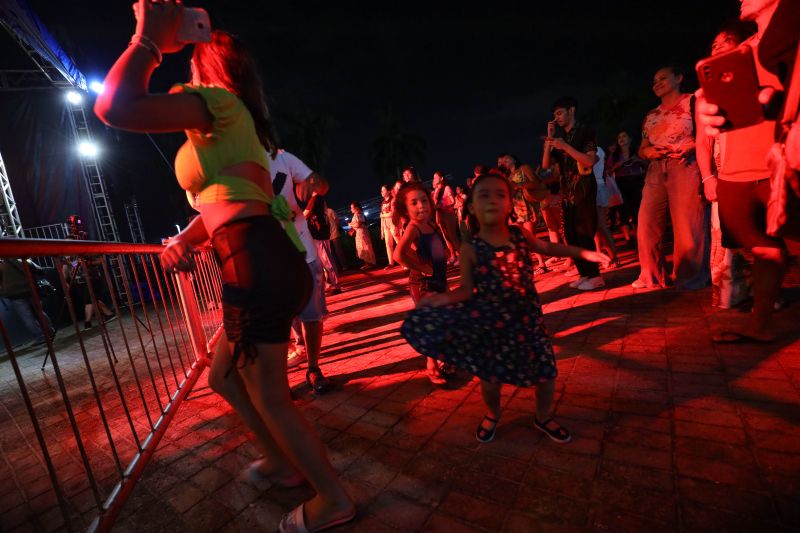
(161, 326)
(141, 341)
(114, 375)
(172, 280)
(150, 329)
(174, 302)
(124, 276)
(51, 470)
(194, 323)
(175, 310)
(62, 388)
(90, 373)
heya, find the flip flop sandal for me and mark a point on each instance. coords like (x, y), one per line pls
(483, 434)
(559, 434)
(295, 522)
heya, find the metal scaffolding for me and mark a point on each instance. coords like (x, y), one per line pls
(10, 225)
(134, 221)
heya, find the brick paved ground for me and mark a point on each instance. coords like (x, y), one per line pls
(670, 431)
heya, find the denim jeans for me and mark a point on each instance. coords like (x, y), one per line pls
(673, 186)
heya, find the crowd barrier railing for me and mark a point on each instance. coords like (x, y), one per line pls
(78, 431)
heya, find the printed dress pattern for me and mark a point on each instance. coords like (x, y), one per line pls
(498, 334)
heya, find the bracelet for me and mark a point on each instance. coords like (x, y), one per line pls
(148, 44)
(708, 178)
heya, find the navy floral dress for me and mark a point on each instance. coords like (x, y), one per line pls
(498, 334)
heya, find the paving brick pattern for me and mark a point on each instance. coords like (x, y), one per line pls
(670, 431)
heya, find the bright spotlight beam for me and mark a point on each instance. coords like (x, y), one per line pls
(97, 87)
(88, 149)
(74, 97)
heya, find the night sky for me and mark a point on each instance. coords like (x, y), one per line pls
(471, 81)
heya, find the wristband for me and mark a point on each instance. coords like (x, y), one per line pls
(708, 178)
(148, 44)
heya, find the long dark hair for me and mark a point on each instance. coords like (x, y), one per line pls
(634, 149)
(225, 61)
(400, 213)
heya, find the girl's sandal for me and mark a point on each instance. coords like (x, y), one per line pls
(557, 434)
(483, 434)
(436, 377)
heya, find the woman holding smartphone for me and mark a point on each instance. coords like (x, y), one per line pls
(224, 168)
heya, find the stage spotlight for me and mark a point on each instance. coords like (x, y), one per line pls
(97, 87)
(88, 149)
(74, 97)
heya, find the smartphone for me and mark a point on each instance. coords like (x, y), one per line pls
(730, 81)
(195, 26)
(551, 129)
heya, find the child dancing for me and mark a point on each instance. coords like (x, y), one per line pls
(492, 325)
(423, 250)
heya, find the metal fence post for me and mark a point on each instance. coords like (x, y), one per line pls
(194, 321)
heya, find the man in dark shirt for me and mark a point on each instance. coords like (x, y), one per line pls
(576, 153)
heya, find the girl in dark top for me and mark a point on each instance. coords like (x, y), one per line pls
(628, 170)
(423, 250)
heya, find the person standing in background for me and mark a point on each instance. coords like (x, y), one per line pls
(387, 227)
(336, 245)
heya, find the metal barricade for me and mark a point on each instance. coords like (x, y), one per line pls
(77, 433)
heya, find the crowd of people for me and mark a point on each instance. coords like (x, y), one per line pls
(263, 211)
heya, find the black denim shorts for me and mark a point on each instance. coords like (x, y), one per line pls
(265, 281)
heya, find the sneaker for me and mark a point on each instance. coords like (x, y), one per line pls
(574, 284)
(553, 261)
(333, 290)
(639, 284)
(572, 272)
(87, 324)
(296, 358)
(590, 284)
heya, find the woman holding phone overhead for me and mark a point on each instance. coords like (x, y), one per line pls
(223, 167)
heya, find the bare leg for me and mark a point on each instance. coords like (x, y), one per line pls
(544, 399)
(312, 334)
(232, 389)
(265, 379)
(529, 225)
(604, 234)
(88, 312)
(491, 397)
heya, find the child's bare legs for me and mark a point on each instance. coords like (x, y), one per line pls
(491, 397)
(544, 409)
(531, 227)
(604, 233)
(544, 399)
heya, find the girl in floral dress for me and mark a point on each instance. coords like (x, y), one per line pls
(492, 325)
(363, 242)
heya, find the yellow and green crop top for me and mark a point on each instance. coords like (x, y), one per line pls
(232, 140)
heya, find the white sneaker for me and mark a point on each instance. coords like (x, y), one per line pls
(296, 358)
(571, 272)
(590, 284)
(574, 284)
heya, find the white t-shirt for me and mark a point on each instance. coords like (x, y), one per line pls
(294, 171)
(600, 167)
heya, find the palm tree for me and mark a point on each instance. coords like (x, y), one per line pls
(393, 149)
(306, 135)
